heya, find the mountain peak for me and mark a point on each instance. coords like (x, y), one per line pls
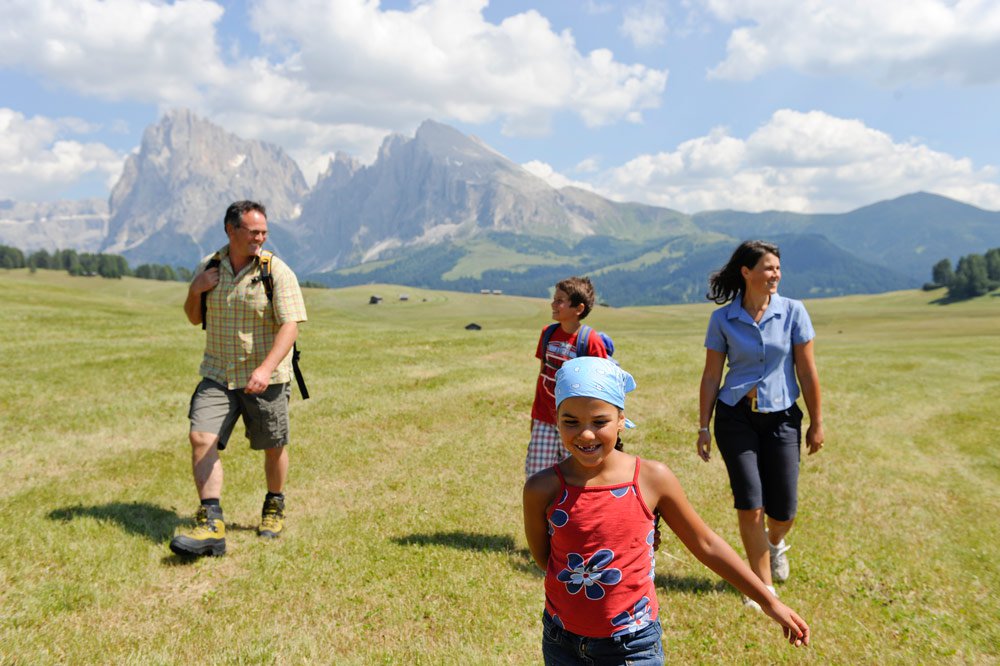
(447, 142)
(922, 201)
(173, 192)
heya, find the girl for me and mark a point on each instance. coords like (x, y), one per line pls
(768, 341)
(590, 522)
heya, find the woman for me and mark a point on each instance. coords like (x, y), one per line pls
(768, 341)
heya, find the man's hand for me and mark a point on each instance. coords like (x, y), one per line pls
(205, 281)
(259, 380)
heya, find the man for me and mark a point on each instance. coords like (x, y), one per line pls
(245, 371)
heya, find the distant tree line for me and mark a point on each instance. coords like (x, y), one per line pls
(87, 263)
(105, 265)
(975, 275)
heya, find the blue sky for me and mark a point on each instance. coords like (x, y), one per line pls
(694, 105)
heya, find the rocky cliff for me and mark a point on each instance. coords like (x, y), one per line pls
(443, 185)
(56, 225)
(169, 203)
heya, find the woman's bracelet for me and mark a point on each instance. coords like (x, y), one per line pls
(702, 429)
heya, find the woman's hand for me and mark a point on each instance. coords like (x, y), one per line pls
(814, 437)
(705, 444)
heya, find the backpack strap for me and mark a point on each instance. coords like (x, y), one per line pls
(582, 338)
(268, 280)
(546, 337)
(299, 379)
(265, 273)
(212, 263)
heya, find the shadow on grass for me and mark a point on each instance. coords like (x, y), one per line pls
(692, 584)
(148, 520)
(237, 527)
(948, 300)
(460, 540)
(520, 558)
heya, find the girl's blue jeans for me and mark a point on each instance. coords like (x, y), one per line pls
(564, 648)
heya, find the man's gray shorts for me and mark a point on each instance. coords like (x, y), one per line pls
(215, 408)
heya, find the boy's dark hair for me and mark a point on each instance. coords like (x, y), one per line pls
(579, 290)
(727, 282)
(234, 214)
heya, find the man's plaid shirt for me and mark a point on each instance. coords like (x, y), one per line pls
(241, 324)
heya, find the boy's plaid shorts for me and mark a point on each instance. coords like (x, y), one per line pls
(545, 448)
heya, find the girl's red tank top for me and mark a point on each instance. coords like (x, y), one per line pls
(599, 580)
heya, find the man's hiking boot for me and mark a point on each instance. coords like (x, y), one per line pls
(272, 518)
(207, 538)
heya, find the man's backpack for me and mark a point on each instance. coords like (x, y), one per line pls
(582, 338)
(268, 280)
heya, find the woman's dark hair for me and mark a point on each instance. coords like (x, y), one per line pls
(727, 282)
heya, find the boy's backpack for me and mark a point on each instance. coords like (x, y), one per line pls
(582, 337)
(268, 280)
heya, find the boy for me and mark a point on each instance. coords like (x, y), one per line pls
(572, 302)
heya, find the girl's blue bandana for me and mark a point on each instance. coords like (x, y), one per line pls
(594, 377)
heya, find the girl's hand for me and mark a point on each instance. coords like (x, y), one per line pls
(794, 627)
(704, 445)
(815, 437)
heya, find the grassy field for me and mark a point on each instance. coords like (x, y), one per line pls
(405, 543)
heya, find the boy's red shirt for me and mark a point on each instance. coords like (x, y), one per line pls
(561, 348)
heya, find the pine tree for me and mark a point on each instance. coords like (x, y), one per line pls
(942, 274)
(971, 278)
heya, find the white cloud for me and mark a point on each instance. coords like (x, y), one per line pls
(645, 25)
(132, 50)
(890, 41)
(805, 162)
(443, 59)
(351, 72)
(329, 75)
(588, 165)
(35, 160)
(553, 177)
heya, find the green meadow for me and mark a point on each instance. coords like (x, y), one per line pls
(404, 542)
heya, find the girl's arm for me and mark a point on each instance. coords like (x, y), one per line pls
(805, 371)
(539, 492)
(713, 552)
(711, 377)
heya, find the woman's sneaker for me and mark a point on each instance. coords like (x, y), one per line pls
(207, 538)
(779, 561)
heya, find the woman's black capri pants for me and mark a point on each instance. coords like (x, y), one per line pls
(761, 451)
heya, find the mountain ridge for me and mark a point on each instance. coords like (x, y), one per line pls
(444, 209)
